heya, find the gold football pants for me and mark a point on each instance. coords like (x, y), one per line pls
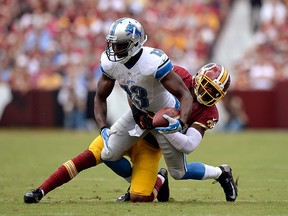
(145, 159)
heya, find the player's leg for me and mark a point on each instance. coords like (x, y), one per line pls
(145, 161)
(119, 142)
(222, 174)
(147, 183)
(68, 171)
(180, 169)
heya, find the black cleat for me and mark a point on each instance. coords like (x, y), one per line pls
(34, 196)
(227, 183)
(124, 197)
(164, 192)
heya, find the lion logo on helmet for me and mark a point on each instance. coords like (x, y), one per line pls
(131, 29)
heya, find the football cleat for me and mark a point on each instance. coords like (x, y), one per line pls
(164, 192)
(124, 197)
(227, 183)
(34, 196)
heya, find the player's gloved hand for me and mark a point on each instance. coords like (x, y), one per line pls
(144, 120)
(175, 125)
(105, 134)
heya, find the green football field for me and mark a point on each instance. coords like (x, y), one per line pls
(259, 160)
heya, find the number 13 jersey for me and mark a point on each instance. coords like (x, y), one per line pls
(141, 79)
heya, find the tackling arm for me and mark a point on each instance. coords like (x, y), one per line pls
(189, 141)
(103, 90)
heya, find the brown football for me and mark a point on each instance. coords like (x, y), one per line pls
(159, 121)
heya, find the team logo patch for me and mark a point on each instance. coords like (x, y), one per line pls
(211, 123)
(131, 28)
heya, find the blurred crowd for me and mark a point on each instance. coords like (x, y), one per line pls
(266, 62)
(56, 44)
(45, 44)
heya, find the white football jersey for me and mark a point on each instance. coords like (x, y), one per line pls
(142, 81)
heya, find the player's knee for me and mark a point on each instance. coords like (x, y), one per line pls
(109, 156)
(176, 174)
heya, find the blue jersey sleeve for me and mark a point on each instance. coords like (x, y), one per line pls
(163, 69)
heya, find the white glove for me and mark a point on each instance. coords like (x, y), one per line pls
(105, 134)
(175, 125)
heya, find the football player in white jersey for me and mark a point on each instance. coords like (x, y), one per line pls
(147, 76)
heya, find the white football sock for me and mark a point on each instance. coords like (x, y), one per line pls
(211, 172)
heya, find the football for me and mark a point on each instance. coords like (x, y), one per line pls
(159, 121)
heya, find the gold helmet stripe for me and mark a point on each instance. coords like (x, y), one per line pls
(224, 76)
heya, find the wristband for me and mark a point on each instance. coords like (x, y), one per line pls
(103, 128)
(184, 127)
(182, 124)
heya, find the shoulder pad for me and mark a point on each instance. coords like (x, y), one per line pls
(106, 65)
(151, 59)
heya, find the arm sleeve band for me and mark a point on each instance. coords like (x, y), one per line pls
(185, 143)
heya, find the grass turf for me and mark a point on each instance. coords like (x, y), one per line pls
(258, 158)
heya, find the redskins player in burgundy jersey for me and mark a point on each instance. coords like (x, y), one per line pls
(203, 114)
(208, 86)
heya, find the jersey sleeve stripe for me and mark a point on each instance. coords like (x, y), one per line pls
(177, 103)
(201, 125)
(103, 72)
(164, 69)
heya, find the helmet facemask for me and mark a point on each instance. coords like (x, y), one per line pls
(116, 52)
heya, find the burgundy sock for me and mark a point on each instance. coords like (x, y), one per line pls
(158, 184)
(156, 189)
(68, 171)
